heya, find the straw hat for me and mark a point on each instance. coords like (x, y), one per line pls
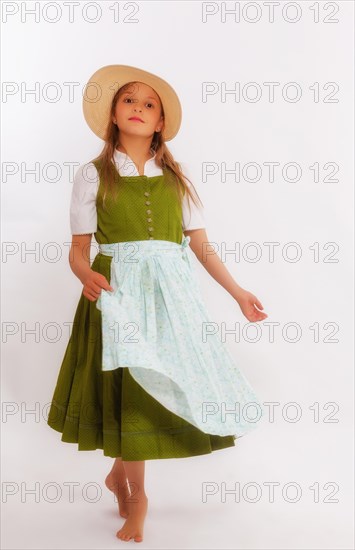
(105, 82)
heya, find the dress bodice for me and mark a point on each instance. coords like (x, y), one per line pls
(146, 208)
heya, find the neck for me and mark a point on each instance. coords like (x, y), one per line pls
(138, 149)
(139, 153)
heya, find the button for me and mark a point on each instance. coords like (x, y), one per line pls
(147, 194)
(147, 202)
(148, 211)
(149, 219)
(150, 228)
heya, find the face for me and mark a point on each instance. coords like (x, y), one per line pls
(138, 111)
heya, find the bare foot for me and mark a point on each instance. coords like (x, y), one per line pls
(118, 485)
(133, 526)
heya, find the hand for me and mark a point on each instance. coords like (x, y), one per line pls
(248, 304)
(93, 284)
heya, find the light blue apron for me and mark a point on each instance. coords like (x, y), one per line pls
(153, 323)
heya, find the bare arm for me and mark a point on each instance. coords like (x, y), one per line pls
(212, 263)
(79, 260)
(79, 256)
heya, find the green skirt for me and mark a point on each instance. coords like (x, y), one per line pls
(109, 410)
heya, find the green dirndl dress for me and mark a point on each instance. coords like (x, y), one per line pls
(109, 410)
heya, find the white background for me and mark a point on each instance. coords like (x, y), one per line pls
(171, 40)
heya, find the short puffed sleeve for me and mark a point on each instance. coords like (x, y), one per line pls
(83, 214)
(193, 217)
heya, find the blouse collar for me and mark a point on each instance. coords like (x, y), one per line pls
(127, 167)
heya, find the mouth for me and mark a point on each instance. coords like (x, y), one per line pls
(136, 118)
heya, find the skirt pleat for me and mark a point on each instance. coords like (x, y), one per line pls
(109, 410)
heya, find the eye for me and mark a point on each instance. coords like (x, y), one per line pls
(130, 99)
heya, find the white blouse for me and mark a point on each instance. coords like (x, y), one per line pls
(83, 213)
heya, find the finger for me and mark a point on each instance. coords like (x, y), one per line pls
(259, 304)
(90, 296)
(94, 287)
(103, 283)
(106, 285)
(92, 293)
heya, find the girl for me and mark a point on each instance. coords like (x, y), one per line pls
(145, 375)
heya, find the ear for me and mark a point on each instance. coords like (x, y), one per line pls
(161, 124)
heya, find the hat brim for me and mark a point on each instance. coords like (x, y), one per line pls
(105, 82)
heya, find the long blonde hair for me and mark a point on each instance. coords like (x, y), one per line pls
(164, 158)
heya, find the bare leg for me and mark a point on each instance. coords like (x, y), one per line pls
(117, 482)
(137, 502)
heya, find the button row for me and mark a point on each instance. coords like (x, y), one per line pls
(150, 229)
